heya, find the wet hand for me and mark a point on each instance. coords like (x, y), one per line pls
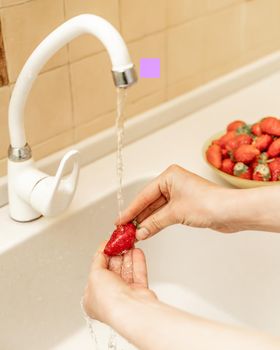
(114, 281)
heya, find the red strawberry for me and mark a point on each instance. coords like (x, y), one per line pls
(274, 167)
(238, 140)
(242, 170)
(214, 156)
(262, 142)
(271, 125)
(225, 138)
(246, 153)
(233, 126)
(224, 153)
(122, 239)
(261, 159)
(256, 129)
(261, 173)
(274, 149)
(244, 129)
(254, 164)
(227, 166)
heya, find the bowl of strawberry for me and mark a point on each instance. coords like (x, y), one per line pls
(247, 155)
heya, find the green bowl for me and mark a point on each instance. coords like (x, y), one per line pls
(234, 180)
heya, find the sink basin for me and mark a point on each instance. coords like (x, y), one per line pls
(231, 278)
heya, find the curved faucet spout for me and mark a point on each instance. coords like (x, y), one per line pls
(122, 68)
(33, 193)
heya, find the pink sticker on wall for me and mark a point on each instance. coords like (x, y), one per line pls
(149, 68)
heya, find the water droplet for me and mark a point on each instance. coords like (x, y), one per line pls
(90, 326)
(112, 342)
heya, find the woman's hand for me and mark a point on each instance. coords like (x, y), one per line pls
(115, 281)
(178, 196)
(117, 294)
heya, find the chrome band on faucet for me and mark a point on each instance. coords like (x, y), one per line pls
(126, 78)
(19, 154)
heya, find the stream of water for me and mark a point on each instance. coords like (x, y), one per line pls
(121, 99)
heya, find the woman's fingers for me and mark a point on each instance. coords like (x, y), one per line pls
(100, 260)
(151, 208)
(127, 267)
(154, 223)
(139, 268)
(115, 264)
(149, 195)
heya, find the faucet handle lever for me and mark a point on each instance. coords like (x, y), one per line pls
(68, 183)
(53, 194)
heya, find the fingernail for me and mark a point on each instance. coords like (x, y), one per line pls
(142, 233)
(136, 224)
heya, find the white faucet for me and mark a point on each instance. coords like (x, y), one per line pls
(32, 193)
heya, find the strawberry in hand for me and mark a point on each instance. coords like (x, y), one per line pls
(122, 240)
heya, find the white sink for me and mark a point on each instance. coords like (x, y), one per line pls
(44, 264)
(232, 278)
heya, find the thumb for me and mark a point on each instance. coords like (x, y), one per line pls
(155, 223)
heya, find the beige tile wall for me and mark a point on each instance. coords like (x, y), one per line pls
(74, 97)
(24, 26)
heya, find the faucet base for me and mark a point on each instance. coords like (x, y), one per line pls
(23, 222)
(20, 209)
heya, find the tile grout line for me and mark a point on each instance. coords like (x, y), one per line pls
(88, 122)
(12, 83)
(40, 144)
(120, 16)
(162, 31)
(140, 37)
(49, 139)
(89, 55)
(17, 4)
(101, 115)
(204, 15)
(70, 79)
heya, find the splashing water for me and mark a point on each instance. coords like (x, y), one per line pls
(90, 326)
(112, 342)
(121, 98)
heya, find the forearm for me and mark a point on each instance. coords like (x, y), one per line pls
(251, 209)
(157, 326)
